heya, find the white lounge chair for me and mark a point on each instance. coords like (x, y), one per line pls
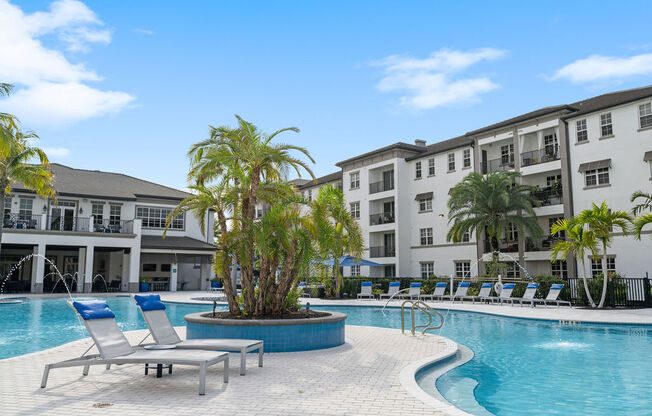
(366, 291)
(153, 311)
(505, 294)
(528, 295)
(440, 288)
(485, 292)
(391, 290)
(413, 293)
(553, 294)
(460, 292)
(302, 288)
(114, 348)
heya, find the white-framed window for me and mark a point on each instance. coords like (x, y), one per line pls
(451, 162)
(462, 268)
(98, 213)
(309, 195)
(511, 269)
(596, 266)
(466, 158)
(425, 204)
(582, 131)
(551, 144)
(7, 207)
(115, 212)
(153, 217)
(595, 177)
(417, 170)
(507, 154)
(511, 233)
(560, 269)
(645, 115)
(25, 208)
(355, 209)
(606, 127)
(427, 269)
(551, 180)
(431, 166)
(355, 180)
(425, 235)
(355, 270)
(466, 237)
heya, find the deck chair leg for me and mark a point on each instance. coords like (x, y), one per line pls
(46, 373)
(260, 356)
(108, 366)
(243, 362)
(86, 368)
(226, 369)
(202, 379)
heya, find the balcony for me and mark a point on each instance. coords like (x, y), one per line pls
(382, 251)
(544, 244)
(551, 195)
(22, 221)
(505, 246)
(382, 218)
(381, 186)
(494, 165)
(72, 224)
(539, 156)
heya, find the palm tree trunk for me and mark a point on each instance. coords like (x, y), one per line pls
(2, 212)
(586, 285)
(605, 275)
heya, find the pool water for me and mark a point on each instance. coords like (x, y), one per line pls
(520, 367)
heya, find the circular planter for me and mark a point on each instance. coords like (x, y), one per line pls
(278, 335)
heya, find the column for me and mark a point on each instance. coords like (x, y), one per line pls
(38, 268)
(81, 268)
(173, 277)
(88, 269)
(566, 183)
(540, 139)
(133, 259)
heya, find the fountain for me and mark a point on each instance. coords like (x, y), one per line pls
(18, 266)
(106, 287)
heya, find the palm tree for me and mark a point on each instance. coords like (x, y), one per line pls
(602, 221)
(492, 203)
(645, 218)
(8, 122)
(578, 240)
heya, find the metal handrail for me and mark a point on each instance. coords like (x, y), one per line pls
(423, 307)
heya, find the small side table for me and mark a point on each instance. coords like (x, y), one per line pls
(159, 369)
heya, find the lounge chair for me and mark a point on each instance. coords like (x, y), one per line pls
(460, 292)
(163, 332)
(485, 292)
(505, 294)
(440, 288)
(413, 293)
(528, 295)
(553, 294)
(366, 291)
(391, 290)
(114, 348)
(302, 288)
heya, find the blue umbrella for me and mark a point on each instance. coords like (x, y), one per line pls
(347, 261)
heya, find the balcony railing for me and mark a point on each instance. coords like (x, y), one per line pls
(494, 165)
(108, 226)
(541, 245)
(505, 246)
(381, 186)
(539, 156)
(84, 224)
(382, 218)
(382, 251)
(22, 221)
(551, 195)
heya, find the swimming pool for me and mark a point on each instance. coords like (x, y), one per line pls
(520, 366)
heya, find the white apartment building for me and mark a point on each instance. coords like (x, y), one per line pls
(102, 227)
(574, 154)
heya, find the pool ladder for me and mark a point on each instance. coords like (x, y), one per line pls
(420, 305)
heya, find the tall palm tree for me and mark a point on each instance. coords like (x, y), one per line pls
(602, 221)
(492, 203)
(578, 241)
(644, 218)
(8, 122)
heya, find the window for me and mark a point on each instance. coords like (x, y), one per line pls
(355, 180)
(552, 180)
(427, 270)
(560, 269)
(466, 158)
(582, 132)
(431, 166)
(114, 214)
(426, 236)
(390, 270)
(7, 207)
(149, 267)
(595, 177)
(466, 237)
(451, 162)
(155, 217)
(309, 195)
(425, 204)
(166, 267)
(511, 233)
(507, 154)
(462, 269)
(355, 270)
(25, 212)
(596, 266)
(606, 128)
(417, 170)
(645, 115)
(551, 144)
(511, 269)
(355, 210)
(97, 211)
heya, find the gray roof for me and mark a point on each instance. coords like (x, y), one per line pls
(299, 181)
(609, 100)
(443, 146)
(398, 145)
(331, 177)
(523, 117)
(174, 243)
(97, 184)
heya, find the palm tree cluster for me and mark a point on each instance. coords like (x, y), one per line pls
(235, 171)
(643, 218)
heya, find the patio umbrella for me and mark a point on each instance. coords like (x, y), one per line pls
(347, 261)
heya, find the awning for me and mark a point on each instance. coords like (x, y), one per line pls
(179, 244)
(648, 156)
(425, 195)
(595, 165)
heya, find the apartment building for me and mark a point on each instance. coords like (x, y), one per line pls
(102, 227)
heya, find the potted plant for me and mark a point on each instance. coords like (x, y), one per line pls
(145, 283)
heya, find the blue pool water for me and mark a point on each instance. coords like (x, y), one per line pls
(520, 367)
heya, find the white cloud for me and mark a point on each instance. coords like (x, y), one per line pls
(434, 81)
(143, 31)
(53, 152)
(51, 88)
(599, 68)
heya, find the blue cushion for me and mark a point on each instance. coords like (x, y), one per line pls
(465, 284)
(93, 309)
(395, 283)
(415, 284)
(556, 286)
(302, 283)
(532, 286)
(365, 284)
(487, 285)
(149, 302)
(440, 285)
(508, 286)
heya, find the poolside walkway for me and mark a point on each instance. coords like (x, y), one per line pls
(361, 377)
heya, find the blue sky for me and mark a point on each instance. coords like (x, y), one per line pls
(129, 86)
